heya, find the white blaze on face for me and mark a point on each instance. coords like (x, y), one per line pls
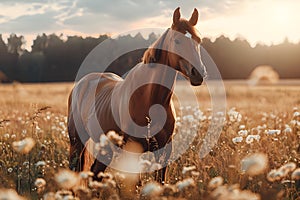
(187, 48)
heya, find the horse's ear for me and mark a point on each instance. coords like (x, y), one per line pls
(194, 18)
(176, 15)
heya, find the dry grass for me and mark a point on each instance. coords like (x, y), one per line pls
(24, 113)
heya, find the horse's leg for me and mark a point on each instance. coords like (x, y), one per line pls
(161, 158)
(161, 178)
(76, 146)
(104, 158)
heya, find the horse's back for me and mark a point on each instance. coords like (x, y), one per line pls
(90, 96)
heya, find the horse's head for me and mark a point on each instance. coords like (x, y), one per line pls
(179, 48)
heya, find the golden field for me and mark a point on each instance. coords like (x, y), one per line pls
(256, 157)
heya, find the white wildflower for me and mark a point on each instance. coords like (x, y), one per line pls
(254, 164)
(215, 182)
(151, 189)
(187, 169)
(181, 185)
(169, 190)
(296, 174)
(234, 116)
(243, 133)
(86, 174)
(237, 140)
(66, 179)
(295, 123)
(245, 195)
(40, 163)
(273, 132)
(64, 195)
(188, 107)
(287, 129)
(144, 165)
(288, 167)
(220, 192)
(105, 175)
(49, 196)
(100, 146)
(9, 194)
(40, 182)
(178, 124)
(115, 138)
(96, 184)
(242, 127)
(148, 155)
(24, 146)
(189, 118)
(296, 114)
(273, 175)
(155, 166)
(251, 138)
(199, 115)
(10, 170)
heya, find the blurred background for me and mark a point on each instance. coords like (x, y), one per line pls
(46, 41)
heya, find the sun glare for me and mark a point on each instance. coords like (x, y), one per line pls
(262, 21)
(281, 13)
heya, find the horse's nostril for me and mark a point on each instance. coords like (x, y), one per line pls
(194, 71)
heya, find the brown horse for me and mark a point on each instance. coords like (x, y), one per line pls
(104, 98)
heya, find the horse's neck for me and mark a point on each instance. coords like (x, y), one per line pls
(142, 88)
(160, 81)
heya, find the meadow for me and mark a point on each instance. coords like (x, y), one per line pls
(256, 157)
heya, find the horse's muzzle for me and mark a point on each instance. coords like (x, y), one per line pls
(196, 78)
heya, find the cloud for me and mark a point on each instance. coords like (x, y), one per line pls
(31, 23)
(101, 15)
(29, 17)
(91, 17)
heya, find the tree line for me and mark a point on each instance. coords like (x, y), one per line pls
(53, 58)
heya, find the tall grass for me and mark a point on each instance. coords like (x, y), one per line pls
(257, 155)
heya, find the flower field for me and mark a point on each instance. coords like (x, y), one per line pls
(256, 157)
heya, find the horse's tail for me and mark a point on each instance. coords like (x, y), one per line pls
(77, 135)
(87, 155)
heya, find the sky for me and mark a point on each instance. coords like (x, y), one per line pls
(258, 21)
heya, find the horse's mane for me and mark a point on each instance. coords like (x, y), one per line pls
(152, 54)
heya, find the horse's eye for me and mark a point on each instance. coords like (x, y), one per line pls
(177, 41)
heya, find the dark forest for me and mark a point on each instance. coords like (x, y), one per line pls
(53, 59)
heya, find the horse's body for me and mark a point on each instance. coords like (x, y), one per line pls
(140, 102)
(104, 96)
